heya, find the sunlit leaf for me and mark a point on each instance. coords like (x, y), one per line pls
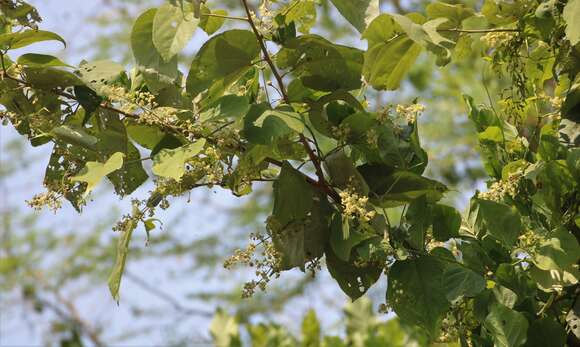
(170, 163)
(94, 172)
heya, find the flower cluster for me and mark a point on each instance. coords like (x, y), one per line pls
(496, 39)
(410, 112)
(228, 138)
(209, 166)
(530, 240)
(130, 221)
(501, 189)
(355, 205)
(162, 116)
(267, 263)
(556, 102)
(50, 199)
(384, 114)
(265, 22)
(373, 138)
(340, 132)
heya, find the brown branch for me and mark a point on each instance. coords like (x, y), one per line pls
(72, 313)
(282, 89)
(166, 297)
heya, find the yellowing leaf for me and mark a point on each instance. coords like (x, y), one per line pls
(170, 163)
(93, 172)
(571, 15)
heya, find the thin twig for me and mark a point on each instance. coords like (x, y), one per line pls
(224, 16)
(479, 31)
(166, 297)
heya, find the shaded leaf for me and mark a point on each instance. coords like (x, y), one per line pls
(416, 293)
(359, 13)
(508, 328)
(460, 281)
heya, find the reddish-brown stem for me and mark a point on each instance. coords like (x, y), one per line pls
(279, 80)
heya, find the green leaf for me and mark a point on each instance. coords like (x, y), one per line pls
(88, 99)
(149, 136)
(499, 220)
(573, 162)
(549, 147)
(122, 252)
(224, 330)
(481, 116)
(558, 252)
(229, 106)
(504, 296)
(460, 281)
(420, 219)
(302, 13)
(446, 222)
(353, 280)
(359, 13)
(221, 61)
(50, 77)
(343, 241)
(99, 74)
(416, 293)
(211, 24)
(573, 319)
(516, 279)
(321, 64)
(343, 172)
(310, 330)
(571, 14)
(75, 136)
(113, 138)
(27, 37)
(93, 172)
(292, 119)
(300, 219)
(40, 60)
(170, 163)
(402, 187)
(157, 73)
(555, 280)
(546, 332)
(507, 327)
(173, 27)
(455, 14)
(270, 130)
(390, 55)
